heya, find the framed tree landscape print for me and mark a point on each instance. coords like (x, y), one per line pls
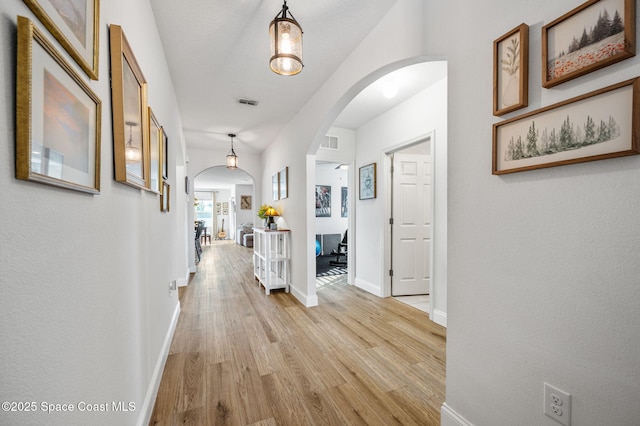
(58, 117)
(594, 35)
(75, 24)
(511, 71)
(595, 126)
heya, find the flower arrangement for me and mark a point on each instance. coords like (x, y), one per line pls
(263, 210)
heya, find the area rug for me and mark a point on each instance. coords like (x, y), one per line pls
(324, 267)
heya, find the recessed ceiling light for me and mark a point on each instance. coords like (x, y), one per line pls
(389, 89)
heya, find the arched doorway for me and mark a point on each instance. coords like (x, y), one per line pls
(224, 199)
(412, 114)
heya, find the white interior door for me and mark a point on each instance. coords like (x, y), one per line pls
(411, 229)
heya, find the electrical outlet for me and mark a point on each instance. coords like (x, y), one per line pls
(557, 404)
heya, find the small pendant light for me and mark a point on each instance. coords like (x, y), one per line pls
(232, 158)
(286, 44)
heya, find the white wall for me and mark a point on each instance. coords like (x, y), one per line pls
(249, 215)
(423, 114)
(543, 265)
(86, 307)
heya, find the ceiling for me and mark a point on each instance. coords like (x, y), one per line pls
(218, 51)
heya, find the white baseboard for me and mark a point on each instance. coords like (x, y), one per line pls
(440, 317)
(183, 282)
(449, 417)
(307, 301)
(152, 391)
(367, 286)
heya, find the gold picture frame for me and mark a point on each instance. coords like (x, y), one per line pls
(155, 153)
(594, 126)
(78, 30)
(568, 51)
(58, 117)
(129, 108)
(511, 71)
(165, 197)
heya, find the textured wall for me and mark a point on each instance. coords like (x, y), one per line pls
(543, 265)
(86, 305)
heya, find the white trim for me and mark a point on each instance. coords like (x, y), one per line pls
(449, 417)
(439, 317)
(367, 286)
(307, 301)
(152, 391)
(183, 282)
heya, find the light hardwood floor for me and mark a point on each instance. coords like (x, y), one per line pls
(239, 357)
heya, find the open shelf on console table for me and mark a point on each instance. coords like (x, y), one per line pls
(271, 255)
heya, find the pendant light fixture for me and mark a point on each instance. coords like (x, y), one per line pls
(232, 158)
(286, 43)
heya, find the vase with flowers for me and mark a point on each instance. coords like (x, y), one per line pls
(262, 214)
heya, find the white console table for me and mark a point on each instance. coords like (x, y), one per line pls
(271, 255)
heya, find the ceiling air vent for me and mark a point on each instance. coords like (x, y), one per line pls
(330, 142)
(247, 102)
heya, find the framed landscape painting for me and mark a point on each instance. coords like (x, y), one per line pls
(75, 24)
(165, 197)
(595, 126)
(511, 71)
(58, 117)
(129, 110)
(594, 35)
(164, 145)
(155, 153)
(283, 176)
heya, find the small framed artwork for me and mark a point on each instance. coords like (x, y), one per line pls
(58, 117)
(245, 202)
(155, 140)
(275, 186)
(344, 209)
(283, 182)
(165, 155)
(511, 71)
(594, 35)
(129, 104)
(165, 197)
(75, 24)
(218, 208)
(368, 182)
(323, 201)
(595, 126)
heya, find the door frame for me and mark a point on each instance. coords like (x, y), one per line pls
(385, 160)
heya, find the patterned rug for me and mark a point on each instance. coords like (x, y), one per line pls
(338, 270)
(325, 269)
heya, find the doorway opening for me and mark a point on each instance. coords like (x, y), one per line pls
(332, 223)
(224, 200)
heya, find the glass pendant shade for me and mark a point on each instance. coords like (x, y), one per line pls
(132, 153)
(232, 158)
(286, 44)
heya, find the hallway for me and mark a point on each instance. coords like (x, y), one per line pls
(240, 357)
